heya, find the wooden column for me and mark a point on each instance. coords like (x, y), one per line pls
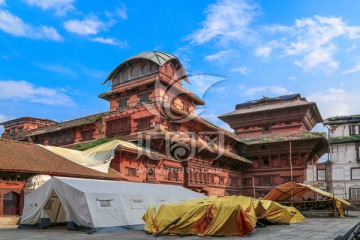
(1, 204)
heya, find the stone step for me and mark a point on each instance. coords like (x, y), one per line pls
(6, 221)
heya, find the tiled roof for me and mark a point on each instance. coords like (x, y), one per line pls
(283, 137)
(65, 125)
(25, 157)
(272, 106)
(342, 120)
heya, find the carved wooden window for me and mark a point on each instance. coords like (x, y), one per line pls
(174, 126)
(265, 180)
(173, 174)
(119, 126)
(211, 178)
(233, 181)
(221, 180)
(132, 172)
(266, 128)
(186, 106)
(20, 129)
(143, 124)
(144, 97)
(265, 162)
(123, 103)
(86, 135)
(69, 135)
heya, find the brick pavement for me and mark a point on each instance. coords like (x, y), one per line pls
(312, 228)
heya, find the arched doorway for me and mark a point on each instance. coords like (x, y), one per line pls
(11, 204)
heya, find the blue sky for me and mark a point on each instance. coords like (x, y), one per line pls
(54, 55)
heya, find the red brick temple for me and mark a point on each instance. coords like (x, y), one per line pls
(150, 107)
(277, 134)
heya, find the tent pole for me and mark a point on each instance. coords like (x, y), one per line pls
(291, 176)
(253, 183)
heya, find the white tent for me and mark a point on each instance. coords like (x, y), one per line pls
(96, 204)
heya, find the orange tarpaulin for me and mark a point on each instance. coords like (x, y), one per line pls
(289, 190)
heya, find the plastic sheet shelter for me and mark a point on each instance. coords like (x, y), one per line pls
(275, 212)
(99, 157)
(222, 216)
(289, 190)
(96, 204)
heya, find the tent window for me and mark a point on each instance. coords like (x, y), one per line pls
(105, 203)
(137, 204)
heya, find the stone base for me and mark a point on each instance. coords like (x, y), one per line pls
(7, 221)
(319, 214)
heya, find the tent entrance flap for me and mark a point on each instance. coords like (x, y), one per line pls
(55, 210)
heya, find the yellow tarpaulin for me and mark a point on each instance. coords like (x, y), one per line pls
(225, 216)
(288, 190)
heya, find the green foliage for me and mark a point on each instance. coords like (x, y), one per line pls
(85, 146)
(345, 139)
(315, 134)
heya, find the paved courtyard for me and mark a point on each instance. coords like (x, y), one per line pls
(312, 228)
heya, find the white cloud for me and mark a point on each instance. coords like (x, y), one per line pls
(272, 89)
(11, 90)
(313, 41)
(57, 68)
(111, 41)
(15, 26)
(263, 51)
(2, 2)
(243, 70)
(61, 7)
(350, 49)
(222, 56)
(352, 70)
(336, 102)
(201, 83)
(89, 26)
(227, 21)
(122, 12)
(3, 118)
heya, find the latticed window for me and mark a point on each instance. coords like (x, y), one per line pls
(143, 124)
(173, 174)
(123, 103)
(118, 126)
(265, 180)
(144, 97)
(355, 193)
(321, 175)
(174, 126)
(354, 130)
(86, 135)
(132, 172)
(355, 173)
